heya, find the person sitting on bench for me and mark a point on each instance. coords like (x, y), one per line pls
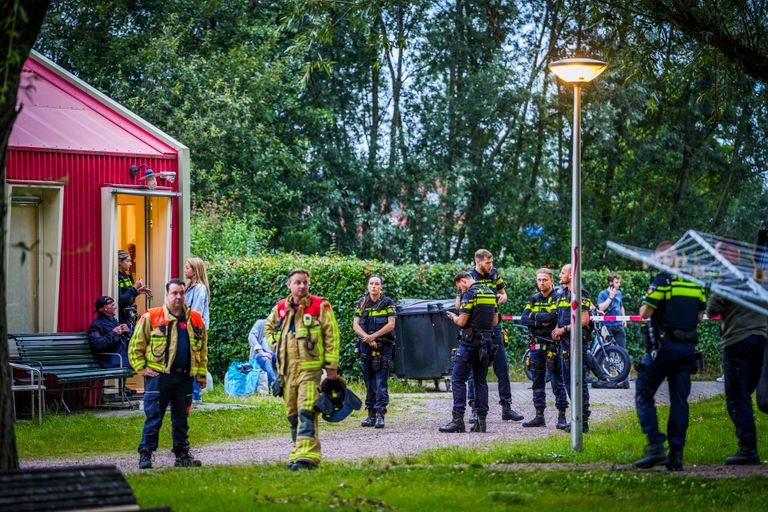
(108, 337)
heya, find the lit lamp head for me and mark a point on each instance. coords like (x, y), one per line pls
(577, 71)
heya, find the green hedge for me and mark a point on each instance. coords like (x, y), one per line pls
(245, 290)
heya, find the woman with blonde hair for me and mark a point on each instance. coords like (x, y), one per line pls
(198, 292)
(197, 297)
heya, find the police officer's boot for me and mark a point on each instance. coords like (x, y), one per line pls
(379, 420)
(473, 414)
(479, 425)
(675, 459)
(185, 460)
(562, 421)
(508, 413)
(145, 459)
(744, 457)
(654, 456)
(455, 425)
(537, 421)
(370, 420)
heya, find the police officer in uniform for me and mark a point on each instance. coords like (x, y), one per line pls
(477, 316)
(305, 337)
(373, 323)
(128, 290)
(540, 316)
(675, 307)
(170, 346)
(562, 334)
(485, 273)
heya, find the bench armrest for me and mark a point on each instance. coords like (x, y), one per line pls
(114, 354)
(32, 373)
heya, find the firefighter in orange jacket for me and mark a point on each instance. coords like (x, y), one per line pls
(170, 346)
(304, 335)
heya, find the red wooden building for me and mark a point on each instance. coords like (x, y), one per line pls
(78, 192)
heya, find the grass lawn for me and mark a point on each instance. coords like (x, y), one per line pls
(710, 440)
(475, 478)
(89, 434)
(349, 486)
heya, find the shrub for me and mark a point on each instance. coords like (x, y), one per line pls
(245, 290)
(217, 231)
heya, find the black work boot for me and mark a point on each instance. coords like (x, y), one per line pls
(145, 459)
(508, 413)
(455, 425)
(302, 465)
(562, 421)
(185, 460)
(675, 459)
(654, 456)
(537, 421)
(744, 457)
(479, 425)
(370, 420)
(379, 420)
(584, 427)
(473, 414)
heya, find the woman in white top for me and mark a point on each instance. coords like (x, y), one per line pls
(198, 292)
(198, 298)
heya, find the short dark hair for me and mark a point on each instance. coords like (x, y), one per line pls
(611, 277)
(174, 281)
(483, 254)
(298, 271)
(461, 275)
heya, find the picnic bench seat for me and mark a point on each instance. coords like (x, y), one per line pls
(66, 356)
(92, 487)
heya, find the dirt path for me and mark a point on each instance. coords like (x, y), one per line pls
(406, 433)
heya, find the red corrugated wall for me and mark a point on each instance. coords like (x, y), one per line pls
(84, 176)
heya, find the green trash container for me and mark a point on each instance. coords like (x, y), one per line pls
(425, 337)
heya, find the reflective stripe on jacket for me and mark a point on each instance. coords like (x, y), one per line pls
(312, 326)
(153, 346)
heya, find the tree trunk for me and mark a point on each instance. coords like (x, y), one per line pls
(744, 124)
(16, 39)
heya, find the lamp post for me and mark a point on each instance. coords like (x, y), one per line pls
(576, 72)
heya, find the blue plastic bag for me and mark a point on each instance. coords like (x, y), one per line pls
(242, 378)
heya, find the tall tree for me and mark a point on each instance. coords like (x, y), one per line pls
(21, 21)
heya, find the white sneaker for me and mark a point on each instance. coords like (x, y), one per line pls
(720, 378)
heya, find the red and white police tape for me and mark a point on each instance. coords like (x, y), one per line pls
(607, 318)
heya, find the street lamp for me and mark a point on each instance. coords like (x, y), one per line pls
(576, 72)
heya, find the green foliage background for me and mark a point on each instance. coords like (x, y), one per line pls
(245, 290)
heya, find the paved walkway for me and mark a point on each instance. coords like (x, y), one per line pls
(406, 433)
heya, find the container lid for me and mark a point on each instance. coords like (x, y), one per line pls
(421, 306)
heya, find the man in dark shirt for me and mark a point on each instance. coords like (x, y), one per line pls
(743, 335)
(540, 316)
(477, 316)
(108, 337)
(675, 307)
(486, 274)
(562, 334)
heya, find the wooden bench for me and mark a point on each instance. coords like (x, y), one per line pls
(66, 356)
(94, 487)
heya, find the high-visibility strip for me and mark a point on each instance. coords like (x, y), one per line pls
(309, 403)
(336, 336)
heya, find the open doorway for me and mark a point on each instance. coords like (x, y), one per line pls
(140, 223)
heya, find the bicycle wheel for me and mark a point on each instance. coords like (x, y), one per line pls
(527, 364)
(615, 361)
